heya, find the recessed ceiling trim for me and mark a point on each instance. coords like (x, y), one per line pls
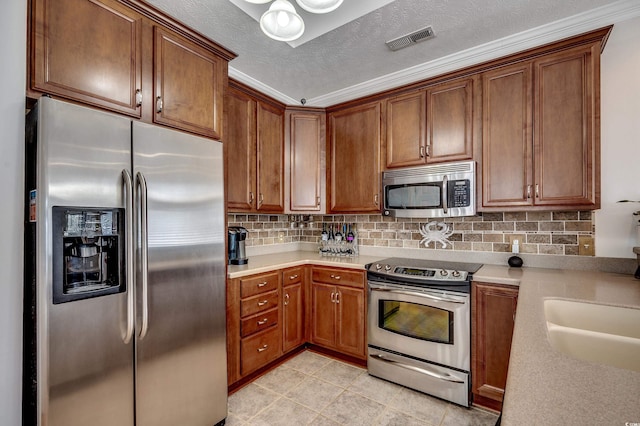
(571, 26)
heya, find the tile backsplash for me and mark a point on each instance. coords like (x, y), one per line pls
(556, 233)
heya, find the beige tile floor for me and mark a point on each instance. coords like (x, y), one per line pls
(312, 389)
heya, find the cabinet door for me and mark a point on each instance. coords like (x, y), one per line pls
(293, 317)
(188, 87)
(240, 150)
(507, 171)
(566, 136)
(494, 310)
(323, 314)
(306, 163)
(450, 121)
(88, 51)
(350, 330)
(355, 159)
(406, 130)
(270, 141)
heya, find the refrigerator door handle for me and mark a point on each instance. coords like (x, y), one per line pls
(128, 190)
(141, 182)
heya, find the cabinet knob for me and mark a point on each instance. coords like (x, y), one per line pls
(335, 277)
(263, 348)
(333, 297)
(375, 199)
(264, 302)
(537, 191)
(138, 97)
(337, 297)
(251, 198)
(422, 152)
(528, 191)
(262, 284)
(293, 277)
(286, 299)
(159, 104)
(263, 321)
(260, 199)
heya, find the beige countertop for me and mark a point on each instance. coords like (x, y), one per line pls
(547, 387)
(269, 262)
(544, 386)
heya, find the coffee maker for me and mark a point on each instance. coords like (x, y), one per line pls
(236, 240)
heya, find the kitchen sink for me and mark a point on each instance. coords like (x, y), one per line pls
(593, 332)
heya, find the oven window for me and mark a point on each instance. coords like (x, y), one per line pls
(416, 321)
(416, 196)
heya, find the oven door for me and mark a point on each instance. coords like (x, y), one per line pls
(428, 324)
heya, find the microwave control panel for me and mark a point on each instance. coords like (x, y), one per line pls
(459, 193)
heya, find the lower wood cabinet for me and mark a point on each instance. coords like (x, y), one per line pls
(493, 317)
(293, 330)
(338, 310)
(270, 314)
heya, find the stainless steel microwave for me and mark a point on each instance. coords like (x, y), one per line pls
(442, 190)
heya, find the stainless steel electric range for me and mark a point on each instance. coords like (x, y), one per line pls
(419, 325)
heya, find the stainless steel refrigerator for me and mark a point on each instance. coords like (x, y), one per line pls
(125, 266)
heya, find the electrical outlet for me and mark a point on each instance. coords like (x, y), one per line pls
(280, 237)
(585, 245)
(510, 238)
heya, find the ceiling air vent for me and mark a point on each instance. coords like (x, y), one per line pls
(412, 38)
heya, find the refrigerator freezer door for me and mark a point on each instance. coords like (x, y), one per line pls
(85, 370)
(180, 326)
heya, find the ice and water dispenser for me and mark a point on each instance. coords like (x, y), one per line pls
(88, 253)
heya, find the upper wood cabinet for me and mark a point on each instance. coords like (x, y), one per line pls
(567, 129)
(507, 138)
(240, 150)
(541, 137)
(305, 148)
(355, 159)
(431, 126)
(450, 121)
(121, 56)
(254, 152)
(88, 51)
(270, 143)
(189, 85)
(406, 130)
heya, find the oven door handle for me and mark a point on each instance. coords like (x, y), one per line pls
(418, 294)
(423, 370)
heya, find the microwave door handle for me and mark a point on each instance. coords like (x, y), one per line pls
(445, 194)
(417, 294)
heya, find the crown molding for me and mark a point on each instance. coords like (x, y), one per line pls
(548, 33)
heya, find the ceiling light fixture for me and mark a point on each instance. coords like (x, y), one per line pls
(281, 22)
(319, 6)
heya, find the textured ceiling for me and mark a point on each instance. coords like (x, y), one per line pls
(356, 53)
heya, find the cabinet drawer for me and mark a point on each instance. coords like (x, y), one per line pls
(259, 303)
(339, 277)
(259, 349)
(292, 276)
(258, 322)
(259, 284)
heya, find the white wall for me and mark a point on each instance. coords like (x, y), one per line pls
(12, 83)
(616, 233)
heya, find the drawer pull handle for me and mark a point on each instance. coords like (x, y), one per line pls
(335, 277)
(263, 322)
(293, 277)
(333, 297)
(337, 297)
(264, 302)
(262, 349)
(286, 299)
(262, 284)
